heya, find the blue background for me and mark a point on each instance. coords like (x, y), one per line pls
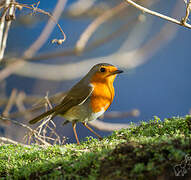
(161, 87)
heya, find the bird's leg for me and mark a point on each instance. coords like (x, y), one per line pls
(85, 124)
(74, 129)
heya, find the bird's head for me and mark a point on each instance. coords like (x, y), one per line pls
(103, 72)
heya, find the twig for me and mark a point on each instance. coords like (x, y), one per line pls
(7, 140)
(44, 127)
(10, 16)
(2, 23)
(188, 7)
(27, 127)
(170, 19)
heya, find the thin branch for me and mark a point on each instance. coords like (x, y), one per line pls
(170, 19)
(10, 16)
(188, 7)
(7, 140)
(27, 127)
(2, 25)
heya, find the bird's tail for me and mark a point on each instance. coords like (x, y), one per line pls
(40, 117)
(54, 110)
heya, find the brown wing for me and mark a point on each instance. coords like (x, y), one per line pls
(78, 94)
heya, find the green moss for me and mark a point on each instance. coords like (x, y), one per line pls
(149, 150)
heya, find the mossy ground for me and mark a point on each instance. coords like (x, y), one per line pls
(148, 151)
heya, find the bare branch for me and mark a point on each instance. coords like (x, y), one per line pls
(7, 140)
(188, 7)
(4, 33)
(27, 127)
(185, 24)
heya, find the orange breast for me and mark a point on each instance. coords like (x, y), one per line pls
(102, 96)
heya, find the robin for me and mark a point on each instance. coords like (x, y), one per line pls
(88, 99)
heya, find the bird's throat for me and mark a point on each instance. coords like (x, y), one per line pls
(102, 96)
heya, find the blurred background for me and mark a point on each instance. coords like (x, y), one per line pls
(153, 53)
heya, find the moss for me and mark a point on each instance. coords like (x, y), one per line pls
(149, 150)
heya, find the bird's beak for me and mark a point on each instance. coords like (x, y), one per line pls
(117, 72)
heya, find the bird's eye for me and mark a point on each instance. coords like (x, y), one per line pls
(102, 69)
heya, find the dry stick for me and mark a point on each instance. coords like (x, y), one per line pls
(8, 24)
(158, 14)
(53, 132)
(42, 128)
(188, 7)
(2, 22)
(7, 140)
(27, 127)
(81, 43)
(46, 120)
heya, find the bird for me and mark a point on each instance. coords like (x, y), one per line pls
(88, 99)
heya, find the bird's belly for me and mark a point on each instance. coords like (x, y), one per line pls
(76, 113)
(82, 113)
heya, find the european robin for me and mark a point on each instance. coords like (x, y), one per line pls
(88, 99)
